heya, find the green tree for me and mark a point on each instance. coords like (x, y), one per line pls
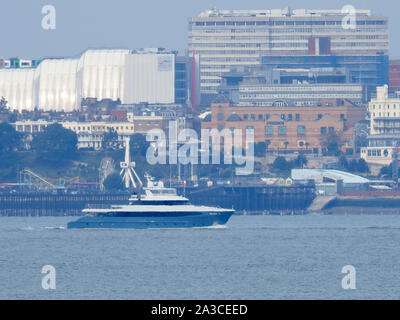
(10, 141)
(342, 162)
(354, 165)
(3, 103)
(110, 140)
(363, 166)
(386, 172)
(286, 143)
(260, 149)
(300, 161)
(332, 142)
(282, 166)
(113, 182)
(138, 145)
(55, 144)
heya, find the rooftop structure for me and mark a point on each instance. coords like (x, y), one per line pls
(16, 63)
(274, 13)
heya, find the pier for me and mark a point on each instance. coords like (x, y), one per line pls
(47, 204)
(257, 199)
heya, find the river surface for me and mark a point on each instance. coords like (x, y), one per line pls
(252, 257)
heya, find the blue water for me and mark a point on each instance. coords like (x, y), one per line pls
(253, 257)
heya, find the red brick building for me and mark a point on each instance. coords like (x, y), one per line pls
(394, 75)
(290, 128)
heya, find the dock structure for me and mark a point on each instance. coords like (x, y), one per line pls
(245, 199)
(260, 199)
(48, 204)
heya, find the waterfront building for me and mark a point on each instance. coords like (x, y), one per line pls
(226, 39)
(384, 128)
(289, 129)
(90, 134)
(125, 121)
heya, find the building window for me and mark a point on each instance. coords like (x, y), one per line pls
(323, 130)
(282, 130)
(253, 117)
(301, 130)
(283, 116)
(290, 117)
(260, 117)
(269, 130)
(220, 116)
(297, 117)
(319, 116)
(331, 129)
(250, 129)
(267, 116)
(245, 116)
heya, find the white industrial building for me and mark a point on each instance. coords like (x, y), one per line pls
(60, 84)
(17, 86)
(56, 86)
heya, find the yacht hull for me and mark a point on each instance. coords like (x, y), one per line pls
(159, 220)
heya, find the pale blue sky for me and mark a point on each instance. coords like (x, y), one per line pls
(135, 24)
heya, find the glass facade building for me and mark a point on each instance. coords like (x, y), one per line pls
(371, 70)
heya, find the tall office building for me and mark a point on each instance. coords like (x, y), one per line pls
(225, 39)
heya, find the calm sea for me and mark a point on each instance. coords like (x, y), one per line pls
(253, 257)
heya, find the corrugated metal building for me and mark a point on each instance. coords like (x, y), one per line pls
(146, 76)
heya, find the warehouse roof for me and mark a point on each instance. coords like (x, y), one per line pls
(319, 174)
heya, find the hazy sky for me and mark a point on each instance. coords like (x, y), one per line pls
(83, 24)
